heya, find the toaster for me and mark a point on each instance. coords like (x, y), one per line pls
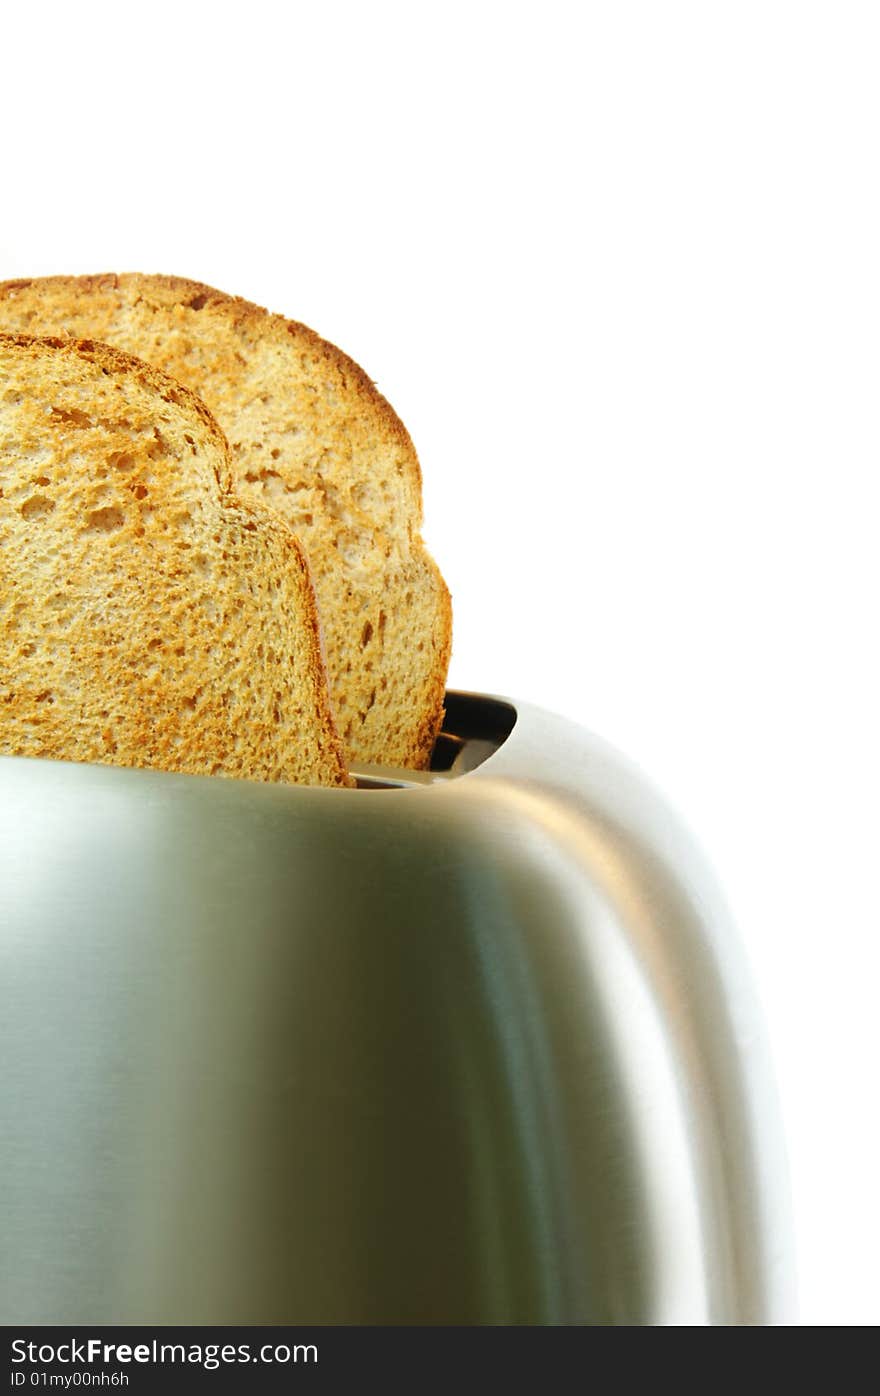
(474, 1045)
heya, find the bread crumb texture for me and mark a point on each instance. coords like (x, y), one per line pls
(312, 438)
(148, 617)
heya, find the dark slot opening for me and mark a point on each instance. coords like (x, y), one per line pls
(471, 717)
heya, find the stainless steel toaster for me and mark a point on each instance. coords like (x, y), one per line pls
(468, 1046)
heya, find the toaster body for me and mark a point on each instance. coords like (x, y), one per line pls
(475, 1046)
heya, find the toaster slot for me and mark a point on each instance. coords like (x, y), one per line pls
(474, 727)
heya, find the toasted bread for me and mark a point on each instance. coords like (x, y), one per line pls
(311, 436)
(147, 616)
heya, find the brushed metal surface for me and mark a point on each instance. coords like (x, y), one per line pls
(482, 1051)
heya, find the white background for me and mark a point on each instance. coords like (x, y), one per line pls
(616, 266)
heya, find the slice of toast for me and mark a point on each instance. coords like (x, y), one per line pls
(310, 435)
(147, 616)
